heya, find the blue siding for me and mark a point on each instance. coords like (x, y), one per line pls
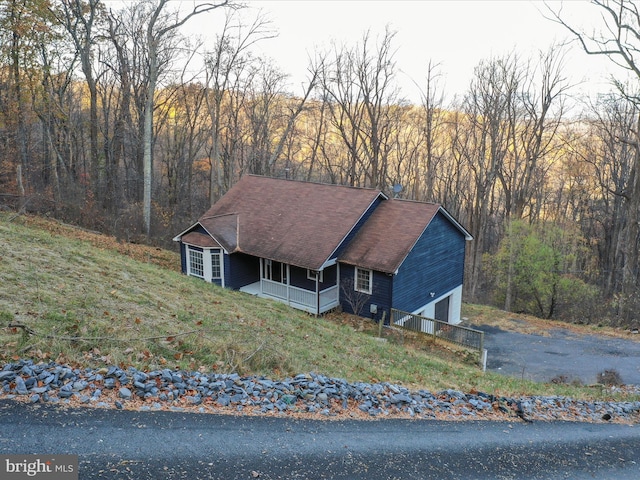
(436, 264)
(241, 269)
(355, 230)
(226, 265)
(380, 293)
(299, 278)
(183, 258)
(329, 277)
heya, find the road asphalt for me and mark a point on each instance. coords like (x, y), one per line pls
(560, 352)
(121, 444)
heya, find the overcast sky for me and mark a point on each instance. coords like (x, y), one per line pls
(456, 34)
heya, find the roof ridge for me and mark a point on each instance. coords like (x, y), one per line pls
(205, 217)
(411, 200)
(310, 182)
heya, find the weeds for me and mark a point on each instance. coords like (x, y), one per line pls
(610, 378)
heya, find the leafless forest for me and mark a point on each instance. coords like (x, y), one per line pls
(117, 121)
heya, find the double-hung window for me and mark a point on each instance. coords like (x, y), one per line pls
(363, 280)
(216, 266)
(195, 265)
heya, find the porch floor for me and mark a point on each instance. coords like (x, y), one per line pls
(253, 289)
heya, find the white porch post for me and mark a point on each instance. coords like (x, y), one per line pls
(261, 274)
(288, 285)
(338, 282)
(317, 293)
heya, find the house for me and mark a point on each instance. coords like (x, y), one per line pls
(318, 246)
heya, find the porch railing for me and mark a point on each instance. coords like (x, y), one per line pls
(466, 337)
(329, 298)
(296, 296)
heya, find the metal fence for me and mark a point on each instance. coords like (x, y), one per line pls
(466, 337)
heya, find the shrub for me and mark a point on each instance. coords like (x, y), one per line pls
(610, 378)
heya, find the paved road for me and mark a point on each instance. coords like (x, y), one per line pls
(115, 444)
(541, 358)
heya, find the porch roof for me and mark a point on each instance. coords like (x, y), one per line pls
(299, 223)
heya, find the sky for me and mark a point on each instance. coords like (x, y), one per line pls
(455, 34)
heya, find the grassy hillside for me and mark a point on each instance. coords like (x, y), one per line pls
(85, 299)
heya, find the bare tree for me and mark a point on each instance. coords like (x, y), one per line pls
(160, 28)
(226, 66)
(485, 146)
(618, 39)
(24, 26)
(79, 18)
(533, 128)
(360, 87)
(432, 101)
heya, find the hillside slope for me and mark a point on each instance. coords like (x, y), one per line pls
(72, 296)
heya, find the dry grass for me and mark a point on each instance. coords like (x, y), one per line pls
(85, 299)
(515, 322)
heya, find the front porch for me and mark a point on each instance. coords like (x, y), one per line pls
(306, 300)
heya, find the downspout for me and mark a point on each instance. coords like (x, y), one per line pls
(391, 275)
(222, 269)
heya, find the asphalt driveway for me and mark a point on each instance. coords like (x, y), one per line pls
(561, 353)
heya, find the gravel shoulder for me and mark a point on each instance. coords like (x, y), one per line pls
(302, 396)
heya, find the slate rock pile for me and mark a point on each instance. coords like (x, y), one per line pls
(303, 394)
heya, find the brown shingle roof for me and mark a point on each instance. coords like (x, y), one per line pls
(293, 222)
(200, 240)
(224, 228)
(389, 235)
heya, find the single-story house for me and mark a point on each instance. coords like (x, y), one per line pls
(318, 246)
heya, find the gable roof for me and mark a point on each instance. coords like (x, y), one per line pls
(391, 232)
(299, 223)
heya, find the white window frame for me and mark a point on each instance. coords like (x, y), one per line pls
(311, 275)
(190, 263)
(206, 263)
(356, 280)
(216, 253)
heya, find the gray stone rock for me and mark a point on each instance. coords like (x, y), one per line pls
(125, 393)
(21, 387)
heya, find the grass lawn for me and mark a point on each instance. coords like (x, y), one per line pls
(82, 298)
